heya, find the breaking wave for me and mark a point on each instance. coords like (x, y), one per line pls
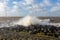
(26, 21)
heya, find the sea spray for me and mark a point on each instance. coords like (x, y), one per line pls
(28, 20)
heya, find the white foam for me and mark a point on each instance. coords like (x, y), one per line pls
(28, 20)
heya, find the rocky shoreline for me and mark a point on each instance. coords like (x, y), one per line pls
(33, 32)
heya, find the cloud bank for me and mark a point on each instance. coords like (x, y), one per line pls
(29, 7)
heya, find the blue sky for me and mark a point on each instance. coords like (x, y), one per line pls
(30, 7)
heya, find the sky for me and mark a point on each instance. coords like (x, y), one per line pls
(30, 7)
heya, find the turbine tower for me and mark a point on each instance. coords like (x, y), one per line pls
(6, 15)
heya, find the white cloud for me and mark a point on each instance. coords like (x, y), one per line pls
(14, 2)
(33, 9)
(45, 3)
(37, 8)
(3, 7)
(29, 1)
(29, 5)
(55, 8)
(15, 11)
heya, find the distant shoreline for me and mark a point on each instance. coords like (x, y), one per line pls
(56, 19)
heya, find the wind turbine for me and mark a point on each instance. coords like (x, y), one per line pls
(6, 15)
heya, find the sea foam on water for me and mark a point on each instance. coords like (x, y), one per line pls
(28, 20)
